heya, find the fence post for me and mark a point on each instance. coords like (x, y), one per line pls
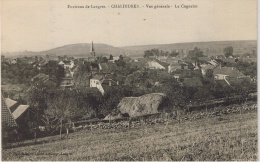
(35, 135)
(61, 130)
(91, 127)
(129, 122)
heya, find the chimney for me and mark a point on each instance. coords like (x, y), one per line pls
(232, 68)
(110, 83)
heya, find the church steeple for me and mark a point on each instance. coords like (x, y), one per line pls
(92, 50)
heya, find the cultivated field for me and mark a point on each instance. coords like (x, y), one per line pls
(228, 137)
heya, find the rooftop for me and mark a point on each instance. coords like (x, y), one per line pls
(19, 111)
(230, 71)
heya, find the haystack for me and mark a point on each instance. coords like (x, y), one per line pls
(143, 105)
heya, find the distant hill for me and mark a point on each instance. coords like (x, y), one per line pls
(82, 49)
(209, 48)
(76, 50)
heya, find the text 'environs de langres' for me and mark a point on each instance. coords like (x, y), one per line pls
(102, 6)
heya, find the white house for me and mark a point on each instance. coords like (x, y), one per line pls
(155, 65)
(96, 80)
(67, 64)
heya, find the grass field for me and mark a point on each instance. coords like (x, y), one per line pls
(228, 137)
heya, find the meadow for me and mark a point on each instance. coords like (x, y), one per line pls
(222, 138)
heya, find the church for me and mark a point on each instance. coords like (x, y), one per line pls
(92, 56)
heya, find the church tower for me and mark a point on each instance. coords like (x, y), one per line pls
(92, 50)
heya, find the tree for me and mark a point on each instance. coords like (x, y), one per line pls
(120, 62)
(247, 68)
(195, 53)
(174, 54)
(110, 57)
(152, 52)
(228, 51)
(209, 73)
(64, 106)
(37, 98)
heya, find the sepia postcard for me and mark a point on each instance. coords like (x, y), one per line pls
(129, 80)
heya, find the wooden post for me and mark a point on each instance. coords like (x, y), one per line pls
(129, 122)
(60, 129)
(67, 129)
(91, 127)
(35, 136)
(178, 116)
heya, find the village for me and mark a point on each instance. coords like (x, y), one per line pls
(68, 90)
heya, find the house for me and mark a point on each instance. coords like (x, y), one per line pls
(21, 114)
(67, 64)
(107, 67)
(73, 70)
(66, 83)
(13, 61)
(214, 62)
(183, 64)
(138, 63)
(230, 75)
(96, 80)
(6, 115)
(154, 65)
(45, 80)
(21, 111)
(11, 104)
(114, 59)
(173, 67)
(102, 83)
(206, 67)
(227, 71)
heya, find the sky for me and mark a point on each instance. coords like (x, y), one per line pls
(37, 25)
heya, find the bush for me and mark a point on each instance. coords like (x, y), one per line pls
(9, 134)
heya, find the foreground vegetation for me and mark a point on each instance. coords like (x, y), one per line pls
(228, 137)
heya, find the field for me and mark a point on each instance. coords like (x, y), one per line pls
(227, 137)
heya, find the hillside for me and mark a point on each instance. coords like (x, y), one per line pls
(82, 49)
(221, 138)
